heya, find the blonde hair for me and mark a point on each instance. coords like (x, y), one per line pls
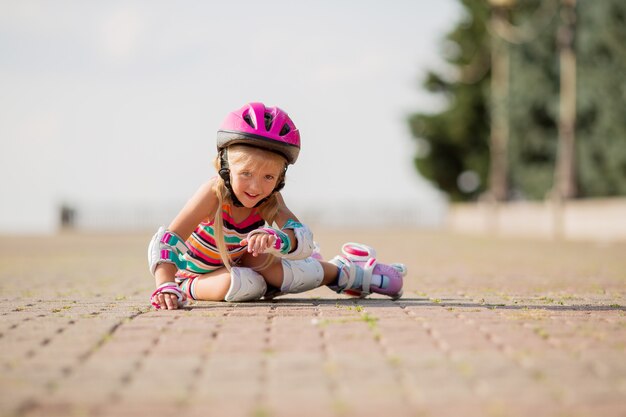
(243, 155)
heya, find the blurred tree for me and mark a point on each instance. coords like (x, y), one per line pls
(534, 105)
(455, 141)
(601, 125)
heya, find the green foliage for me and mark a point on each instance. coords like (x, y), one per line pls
(601, 127)
(533, 107)
(457, 138)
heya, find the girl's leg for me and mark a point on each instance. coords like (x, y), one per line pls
(356, 272)
(215, 286)
(267, 265)
(209, 287)
(307, 274)
(330, 273)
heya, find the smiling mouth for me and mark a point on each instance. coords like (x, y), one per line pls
(252, 196)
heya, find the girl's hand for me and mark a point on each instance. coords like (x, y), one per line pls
(167, 301)
(168, 296)
(259, 243)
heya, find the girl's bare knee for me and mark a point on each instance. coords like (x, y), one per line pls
(269, 266)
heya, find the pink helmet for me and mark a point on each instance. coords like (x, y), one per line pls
(264, 127)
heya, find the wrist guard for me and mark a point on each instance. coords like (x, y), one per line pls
(168, 288)
(284, 247)
(281, 247)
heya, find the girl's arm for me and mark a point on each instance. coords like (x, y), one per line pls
(284, 214)
(292, 240)
(201, 207)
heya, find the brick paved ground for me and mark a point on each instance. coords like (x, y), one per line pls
(487, 327)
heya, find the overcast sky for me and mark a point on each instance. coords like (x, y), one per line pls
(116, 103)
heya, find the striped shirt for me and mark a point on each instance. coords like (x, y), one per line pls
(203, 255)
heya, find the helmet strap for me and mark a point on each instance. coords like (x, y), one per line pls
(224, 173)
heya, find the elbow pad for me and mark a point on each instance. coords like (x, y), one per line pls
(166, 247)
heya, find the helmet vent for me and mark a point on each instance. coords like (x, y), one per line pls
(248, 120)
(268, 121)
(286, 129)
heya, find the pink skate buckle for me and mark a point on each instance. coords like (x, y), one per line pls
(358, 252)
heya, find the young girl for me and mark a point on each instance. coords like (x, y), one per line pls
(221, 245)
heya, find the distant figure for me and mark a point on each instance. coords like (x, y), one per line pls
(68, 217)
(236, 240)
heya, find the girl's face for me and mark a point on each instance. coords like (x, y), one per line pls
(254, 179)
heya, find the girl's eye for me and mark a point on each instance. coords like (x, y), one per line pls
(269, 177)
(245, 173)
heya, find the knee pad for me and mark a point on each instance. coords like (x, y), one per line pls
(245, 285)
(301, 275)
